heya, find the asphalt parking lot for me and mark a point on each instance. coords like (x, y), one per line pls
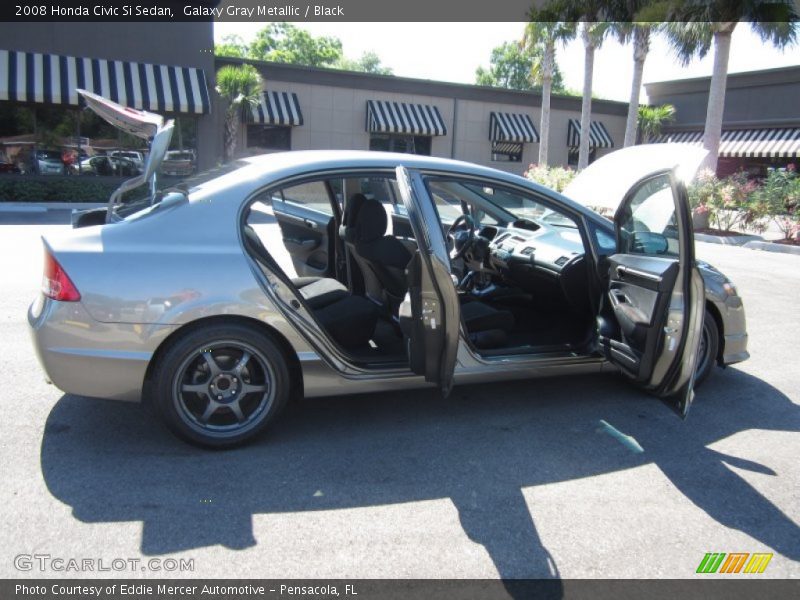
(513, 480)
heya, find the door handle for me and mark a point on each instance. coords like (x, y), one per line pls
(310, 224)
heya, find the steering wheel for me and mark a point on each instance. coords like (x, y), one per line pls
(461, 234)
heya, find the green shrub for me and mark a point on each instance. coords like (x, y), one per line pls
(779, 199)
(58, 189)
(729, 202)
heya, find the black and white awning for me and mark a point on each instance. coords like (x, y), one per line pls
(400, 117)
(54, 79)
(507, 147)
(278, 108)
(512, 127)
(598, 135)
(757, 143)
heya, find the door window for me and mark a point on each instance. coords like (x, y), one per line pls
(648, 225)
(312, 194)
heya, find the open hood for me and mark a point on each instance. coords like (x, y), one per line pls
(603, 185)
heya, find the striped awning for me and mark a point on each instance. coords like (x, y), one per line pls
(278, 108)
(507, 147)
(512, 127)
(399, 117)
(54, 79)
(598, 135)
(756, 143)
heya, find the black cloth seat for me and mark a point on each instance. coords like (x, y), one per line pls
(381, 258)
(319, 292)
(349, 320)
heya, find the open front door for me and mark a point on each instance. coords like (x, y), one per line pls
(431, 304)
(656, 291)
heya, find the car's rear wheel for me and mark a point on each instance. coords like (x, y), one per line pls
(221, 385)
(709, 347)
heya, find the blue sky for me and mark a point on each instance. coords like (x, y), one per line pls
(452, 52)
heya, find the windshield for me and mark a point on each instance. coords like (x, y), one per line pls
(522, 207)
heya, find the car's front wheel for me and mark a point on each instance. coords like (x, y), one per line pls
(709, 348)
(221, 385)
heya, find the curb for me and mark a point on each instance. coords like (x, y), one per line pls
(40, 207)
(729, 240)
(770, 247)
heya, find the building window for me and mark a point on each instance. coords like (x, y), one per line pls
(270, 137)
(408, 144)
(506, 152)
(572, 159)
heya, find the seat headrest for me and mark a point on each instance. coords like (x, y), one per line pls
(371, 223)
(351, 210)
(350, 217)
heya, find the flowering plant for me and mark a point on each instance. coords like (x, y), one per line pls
(556, 178)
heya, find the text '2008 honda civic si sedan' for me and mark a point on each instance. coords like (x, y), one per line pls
(334, 272)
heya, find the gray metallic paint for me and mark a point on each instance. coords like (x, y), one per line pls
(145, 278)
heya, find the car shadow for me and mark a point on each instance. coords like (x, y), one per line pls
(113, 462)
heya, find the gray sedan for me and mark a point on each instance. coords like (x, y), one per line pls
(320, 273)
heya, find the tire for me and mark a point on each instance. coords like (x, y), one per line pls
(709, 348)
(221, 385)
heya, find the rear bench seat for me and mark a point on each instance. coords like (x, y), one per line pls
(349, 320)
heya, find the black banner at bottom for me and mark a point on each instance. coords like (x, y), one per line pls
(391, 589)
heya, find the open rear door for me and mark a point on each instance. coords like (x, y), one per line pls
(431, 304)
(656, 291)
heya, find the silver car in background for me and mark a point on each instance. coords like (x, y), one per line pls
(337, 272)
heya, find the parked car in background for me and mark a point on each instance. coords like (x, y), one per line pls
(8, 167)
(179, 163)
(133, 155)
(47, 162)
(106, 165)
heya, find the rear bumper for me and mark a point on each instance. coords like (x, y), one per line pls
(84, 357)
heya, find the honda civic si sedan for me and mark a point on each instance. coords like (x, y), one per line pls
(336, 272)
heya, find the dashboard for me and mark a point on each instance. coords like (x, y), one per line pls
(525, 243)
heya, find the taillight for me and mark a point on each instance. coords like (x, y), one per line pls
(56, 284)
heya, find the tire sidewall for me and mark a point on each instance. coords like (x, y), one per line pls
(182, 348)
(708, 360)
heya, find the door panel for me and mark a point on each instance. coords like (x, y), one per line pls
(305, 218)
(655, 290)
(431, 305)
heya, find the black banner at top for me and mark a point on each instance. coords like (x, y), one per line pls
(381, 11)
(262, 10)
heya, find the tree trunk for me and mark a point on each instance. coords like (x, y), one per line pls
(548, 60)
(716, 94)
(641, 45)
(231, 133)
(586, 104)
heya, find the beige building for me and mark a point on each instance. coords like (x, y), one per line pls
(305, 108)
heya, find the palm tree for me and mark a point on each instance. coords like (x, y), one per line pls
(592, 34)
(630, 30)
(240, 87)
(547, 35)
(697, 25)
(652, 118)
